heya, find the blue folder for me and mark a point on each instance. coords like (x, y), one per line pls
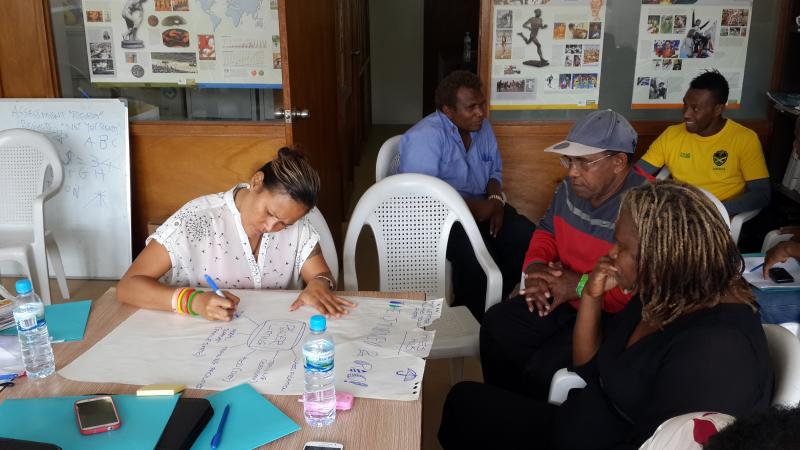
(65, 322)
(252, 420)
(53, 420)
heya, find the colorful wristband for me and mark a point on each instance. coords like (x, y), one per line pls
(179, 303)
(185, 301)
(581, 284)
(189, 303)
(175, 299)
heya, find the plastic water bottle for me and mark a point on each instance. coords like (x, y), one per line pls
(467, 57)
(319, 396)
(34, 339)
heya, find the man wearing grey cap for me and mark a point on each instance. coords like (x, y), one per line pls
(525, 340)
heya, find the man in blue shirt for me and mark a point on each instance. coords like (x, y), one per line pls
(457, 145)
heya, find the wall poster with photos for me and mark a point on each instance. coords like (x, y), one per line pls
(205, 43)
(677, 42)
(546, 54)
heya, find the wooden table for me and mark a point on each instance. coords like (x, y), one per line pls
(371, 424)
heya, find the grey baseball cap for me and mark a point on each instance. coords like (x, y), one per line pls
(598, 132)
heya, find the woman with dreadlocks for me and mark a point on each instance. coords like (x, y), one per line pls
(692, 341)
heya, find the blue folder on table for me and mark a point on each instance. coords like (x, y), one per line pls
(252, 420)
(65, 322)
(52, 420)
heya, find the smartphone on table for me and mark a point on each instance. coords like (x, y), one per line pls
(780, 275)
(97, 415)
(322, 446)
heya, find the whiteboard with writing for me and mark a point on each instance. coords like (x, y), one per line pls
(91, 215)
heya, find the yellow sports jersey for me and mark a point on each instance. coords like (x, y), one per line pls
(720, 164)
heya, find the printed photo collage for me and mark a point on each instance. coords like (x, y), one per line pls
(548, 49)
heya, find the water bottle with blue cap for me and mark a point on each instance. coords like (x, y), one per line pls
(319, 396)
(34, 339)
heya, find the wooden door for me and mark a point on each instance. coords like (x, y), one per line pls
(310, 74)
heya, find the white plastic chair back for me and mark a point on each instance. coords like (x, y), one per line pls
(784, 351)
(388, 158)
(325, 240)
(774, 238)
(26, 156)
(411, 216)
(30, 174)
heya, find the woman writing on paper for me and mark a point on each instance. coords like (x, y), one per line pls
(254, 236)
(690, 340)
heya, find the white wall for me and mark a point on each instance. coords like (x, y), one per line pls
(395, 28)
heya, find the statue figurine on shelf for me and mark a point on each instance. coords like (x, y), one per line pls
(797, 21)
(133, 14)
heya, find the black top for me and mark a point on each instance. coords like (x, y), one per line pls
(711, 360)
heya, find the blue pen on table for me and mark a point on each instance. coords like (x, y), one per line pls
(217, 290)
(217, 437)
(757, 267)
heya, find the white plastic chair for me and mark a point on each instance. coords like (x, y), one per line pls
(388, 158)
(734, 222)
(784, 352)
(774, 238)
(411, 216)
(24, 187)
(325, 240)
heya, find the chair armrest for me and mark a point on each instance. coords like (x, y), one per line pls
(563, 381)
(738, 220)
(494, 278)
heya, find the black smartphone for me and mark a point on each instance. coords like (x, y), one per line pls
(780, 275)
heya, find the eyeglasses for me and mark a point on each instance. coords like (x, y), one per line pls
(580, 164)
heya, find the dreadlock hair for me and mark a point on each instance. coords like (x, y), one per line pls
(290, 172)
(446, 92)
(687, 258)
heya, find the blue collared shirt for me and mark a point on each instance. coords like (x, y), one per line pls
(434, 147)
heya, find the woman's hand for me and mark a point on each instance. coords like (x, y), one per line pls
(602, 279)
(318, 294)
(213, 307)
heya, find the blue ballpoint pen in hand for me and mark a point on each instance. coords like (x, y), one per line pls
(217, 437)
(217, 290)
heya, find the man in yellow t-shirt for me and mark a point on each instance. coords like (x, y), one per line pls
(712, 152)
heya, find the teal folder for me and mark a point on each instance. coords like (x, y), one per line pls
(65, 322)
(53, 420)
(252, 420)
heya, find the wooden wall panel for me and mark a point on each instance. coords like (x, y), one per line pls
(27, 61)
(530, 175)
(174, 162)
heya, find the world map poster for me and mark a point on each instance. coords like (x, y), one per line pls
(203, 43)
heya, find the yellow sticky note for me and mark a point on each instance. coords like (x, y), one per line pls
(160, 389)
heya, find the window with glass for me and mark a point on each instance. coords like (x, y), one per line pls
(148, 102)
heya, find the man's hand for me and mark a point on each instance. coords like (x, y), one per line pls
(318, 294)
(548, 286)
(496, 217)
(213, 307)
(780, 253)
